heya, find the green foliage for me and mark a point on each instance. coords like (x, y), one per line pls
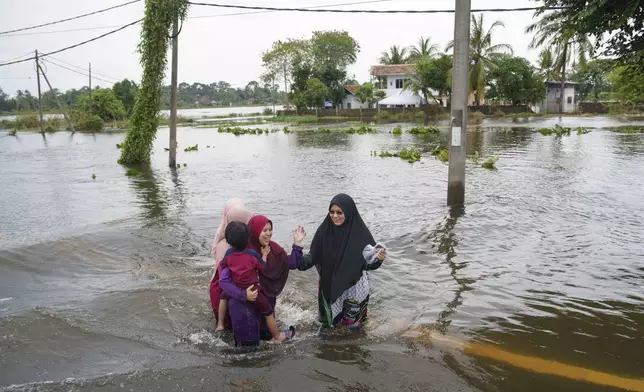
(427, 75)
(88, 123)
(410, 154)
(516, 80)
(104, 104)
(593, 79)
(615, 24)
(93, 176)
(395, 55)
(397, 130)
(126, 91)
(423, 130)
(628, 129)
(365, 93)
(560, 131)
(191, 148)
(424, 49)
(156, 33)
(627, 84)
(119, 146)
(483, 54)
(582, 130)
(490, 163)
(237, 131)
(279, 60)
(443, 155)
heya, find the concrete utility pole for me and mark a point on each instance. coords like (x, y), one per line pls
(58, 101)
(460, 91)
(42, 124)
(90, 88)
(173, 94)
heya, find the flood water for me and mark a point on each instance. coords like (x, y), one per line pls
(104, 282)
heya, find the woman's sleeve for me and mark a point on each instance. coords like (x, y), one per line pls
(372, 262)
(307, 262)
(295, 258)
(229, 287)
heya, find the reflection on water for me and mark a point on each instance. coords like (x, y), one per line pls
(546, 260)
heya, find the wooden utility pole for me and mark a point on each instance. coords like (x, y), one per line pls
(90, 88)
(460, 90)
(173, 94)
(42, 124)
(61, 106)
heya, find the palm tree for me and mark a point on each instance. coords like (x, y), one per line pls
(570, 46)
(483, 55)
(396, 55)
(424, 48)
(547, 65)
(422, 80)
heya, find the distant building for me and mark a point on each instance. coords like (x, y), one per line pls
(350, 101)
(551, 102)
(391, 79)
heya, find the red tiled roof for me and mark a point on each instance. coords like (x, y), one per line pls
(352, 88)
(393, 69)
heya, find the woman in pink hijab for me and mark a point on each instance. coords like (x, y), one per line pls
(234, 211)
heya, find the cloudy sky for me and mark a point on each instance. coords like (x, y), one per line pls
(215, 45)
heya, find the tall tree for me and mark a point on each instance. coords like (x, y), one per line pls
(104, 104)
(547, 66)
(126, 91)
(593, 79)
(616, 25)
(424, 80)
(279, 59)
(483, 54)
(516, 80)
(423, 48)
(395, 55)
(570, 46)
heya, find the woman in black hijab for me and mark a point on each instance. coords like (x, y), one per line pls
(342, 249)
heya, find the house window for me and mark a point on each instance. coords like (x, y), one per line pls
(569, 100)
(399, 83)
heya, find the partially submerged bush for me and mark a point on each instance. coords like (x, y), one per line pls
(490, 163)
(90, 123)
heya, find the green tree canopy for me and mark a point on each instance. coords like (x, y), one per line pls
(516, 80)
(278, 61)
(617, 25)
(627, 84)
(104, 104)
(483, 54)
(126, 91)
(395, 55)
(593, 79)
(424, 80)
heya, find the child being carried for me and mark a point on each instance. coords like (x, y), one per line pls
(244, 265)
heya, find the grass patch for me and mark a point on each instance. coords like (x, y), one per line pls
(132, 173)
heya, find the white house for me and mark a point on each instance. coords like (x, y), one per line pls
(350, 101)
(391, 79)
(553, 98)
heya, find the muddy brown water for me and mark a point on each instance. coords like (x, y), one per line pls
(103, 283)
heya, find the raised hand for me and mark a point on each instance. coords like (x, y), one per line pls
(298, 235)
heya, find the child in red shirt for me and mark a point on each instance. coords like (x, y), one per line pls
(244, 265)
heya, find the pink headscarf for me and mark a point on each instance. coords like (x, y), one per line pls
(234, 211)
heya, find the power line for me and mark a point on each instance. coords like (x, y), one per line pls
(68, 19)
(75, 71)
(444, 11)
(81, 68)
(74, 46)
(19, 57)
(192, 17)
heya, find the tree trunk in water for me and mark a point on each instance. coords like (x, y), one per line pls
(285, 81)
(563, 78)
(426, 119)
